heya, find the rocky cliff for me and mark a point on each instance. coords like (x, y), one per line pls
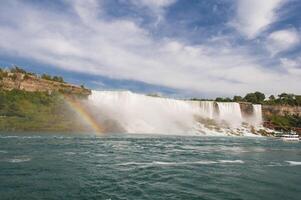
(246, 109)
(280, 110)
(32, 83)
(282, 117)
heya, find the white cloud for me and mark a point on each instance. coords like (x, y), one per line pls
(282, 40)
(155, 6)
(293, 66)
(154, 3)
(253, 16)
(86, 42)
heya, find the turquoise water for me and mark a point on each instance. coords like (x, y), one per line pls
(148, 167)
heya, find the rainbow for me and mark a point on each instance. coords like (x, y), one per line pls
(82, 112)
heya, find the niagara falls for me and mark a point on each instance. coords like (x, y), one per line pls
(138, 113)
(150, 99)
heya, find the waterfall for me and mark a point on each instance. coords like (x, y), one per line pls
(230, 112)
(207, 109)
(257, 114)
(138, 113)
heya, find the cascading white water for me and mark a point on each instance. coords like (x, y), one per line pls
(230, 112)
(137, 113)
(207, 109)
(257, 114)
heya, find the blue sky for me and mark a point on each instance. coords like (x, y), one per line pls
(182, 48)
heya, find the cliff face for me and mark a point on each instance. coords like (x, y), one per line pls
(280, 110)
(32, 83)
(282, 117)
(246, 109)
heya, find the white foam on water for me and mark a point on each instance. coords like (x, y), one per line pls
(231, 161)
(70, 153)
(100, 155)
(20, 137)
(8, 136)
(294, 163)
(201, 162)
(19, 159)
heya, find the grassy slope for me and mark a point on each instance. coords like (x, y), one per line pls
(36, 111)
(285, 121)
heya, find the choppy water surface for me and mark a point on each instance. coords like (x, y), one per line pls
(148, 167)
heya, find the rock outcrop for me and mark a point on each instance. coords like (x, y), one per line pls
(246, 109)
(280, 110)
(32, 83)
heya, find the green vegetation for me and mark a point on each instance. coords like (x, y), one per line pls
(285, 121)
(16, 69)
(284, 99)
(36, 111)
(54, 78)
(256, 98)
(3, 74)
(260, 98)
(198, 99)
(237, 98)
(220, 99)
(154, 95)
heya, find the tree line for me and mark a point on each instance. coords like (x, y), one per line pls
(15, 69)
(260, 98)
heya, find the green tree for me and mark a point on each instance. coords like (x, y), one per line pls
(298, 100)
(17, 69)
(220, 99)
(251, 97)
(46, 77)
(288, 99)
(237, 98)
(26, 76)
(58, 79)
(256, 97)
(260, 97)
(272, 98)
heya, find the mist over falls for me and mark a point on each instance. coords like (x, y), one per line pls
(124, 111)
